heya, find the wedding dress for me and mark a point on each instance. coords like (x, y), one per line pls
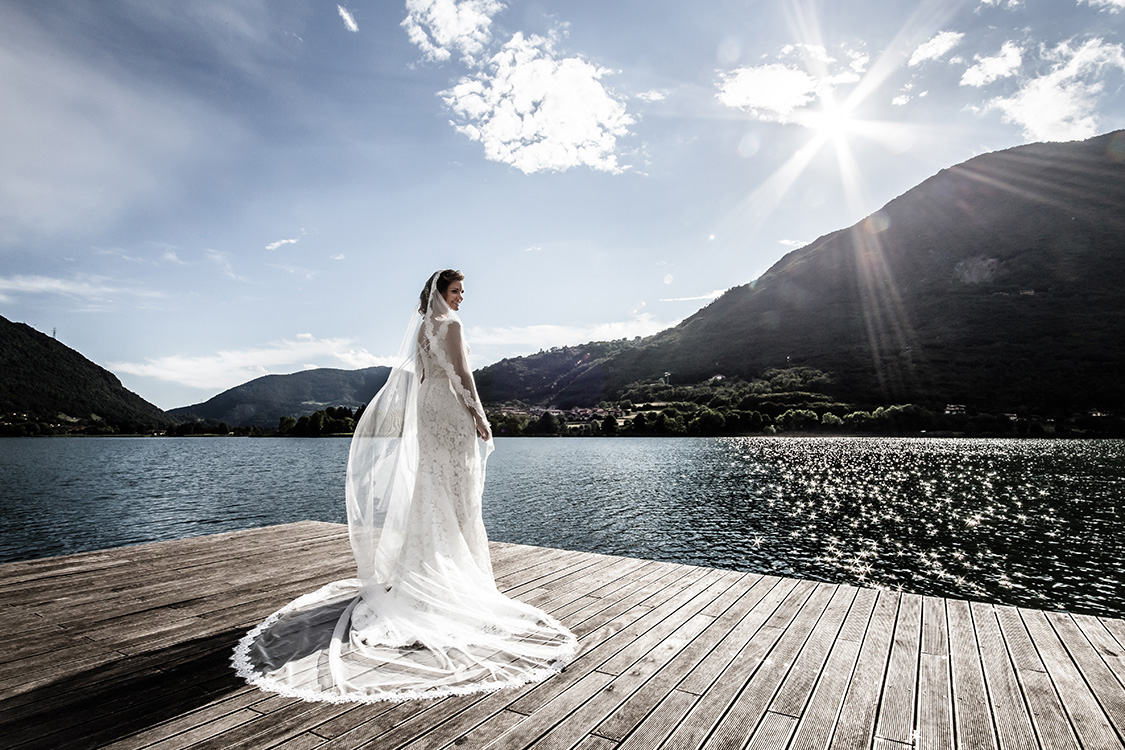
(423, 618)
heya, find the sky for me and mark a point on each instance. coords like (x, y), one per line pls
(195, 194)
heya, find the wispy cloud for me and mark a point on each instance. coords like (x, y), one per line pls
(1061, 104)
(85, 140)
(231, 367)
(91, 288)
(293, 270)
(279, 243)
(936, 48)
(652, 96)
(1112, 6)
(988, 69)
(349, 19)
(222, 261)
(441, 27)
(538, 112)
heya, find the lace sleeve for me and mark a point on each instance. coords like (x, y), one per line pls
(456, 355)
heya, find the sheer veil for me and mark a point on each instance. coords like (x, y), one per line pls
(423, 618)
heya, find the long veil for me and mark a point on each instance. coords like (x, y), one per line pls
(423, 618)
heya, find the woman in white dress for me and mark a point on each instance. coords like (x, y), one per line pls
(423, 618)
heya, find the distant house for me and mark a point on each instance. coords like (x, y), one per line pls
(958, 409)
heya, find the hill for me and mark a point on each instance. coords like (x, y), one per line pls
(43, 378)
(999, 282)
(263, 401)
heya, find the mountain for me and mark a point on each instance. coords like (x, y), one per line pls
(43, 378)
(999, 282)
(263, 401)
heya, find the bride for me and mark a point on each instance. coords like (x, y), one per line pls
(423, 618)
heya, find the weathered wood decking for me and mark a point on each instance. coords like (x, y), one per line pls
(129, 648)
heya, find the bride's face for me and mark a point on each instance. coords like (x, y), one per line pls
(454, 294)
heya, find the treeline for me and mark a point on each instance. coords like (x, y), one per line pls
(688, 419)
(335, 420)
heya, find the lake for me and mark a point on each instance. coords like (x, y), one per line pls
(1025, 522)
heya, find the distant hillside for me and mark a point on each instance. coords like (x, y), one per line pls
(263, 401)
(999, 282)
(43, 378)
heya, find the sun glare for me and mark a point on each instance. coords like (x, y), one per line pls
(832, 122)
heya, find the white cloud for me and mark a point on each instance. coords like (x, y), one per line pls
(440, 27)
(709, 296)
(95, 288)
(341, 256)
(537, 112)
(859, 60)
(231, 367)
(772, 92)
(1113, 6)
(786, 89)
(793, 243)
(1061, 104)
(171, 257)
(669, 278)
(1009, 4)
(652, 96)
(936, 48)
(989, 69)
(279, 243)
(533, 338)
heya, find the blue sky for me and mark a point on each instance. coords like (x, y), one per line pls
(195, 194)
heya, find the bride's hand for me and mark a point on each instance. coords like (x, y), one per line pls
(484, 430)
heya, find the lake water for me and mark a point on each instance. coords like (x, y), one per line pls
(1031, 523)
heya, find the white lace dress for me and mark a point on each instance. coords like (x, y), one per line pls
(423, 618)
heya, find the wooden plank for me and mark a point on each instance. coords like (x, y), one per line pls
(971, 717)
(1089, 722)
(592, 658)
(775, 612)
(583, 721)
(1047, 711)
(551, 713)
(773, 732)
(794, 666)
(660, 724)
(817, 723)
(855, 729)
(751, 678)
(1111, 652)
(735, 626)
(1010, 712)
(935, 694)
(935, 717)
(896, 712)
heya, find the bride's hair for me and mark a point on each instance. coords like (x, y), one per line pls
(444, 279)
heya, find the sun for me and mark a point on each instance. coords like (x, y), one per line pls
(832, 122)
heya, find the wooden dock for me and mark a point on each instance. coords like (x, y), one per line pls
(129, 648)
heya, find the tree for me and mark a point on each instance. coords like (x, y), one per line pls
(609, 425)
(797, 419)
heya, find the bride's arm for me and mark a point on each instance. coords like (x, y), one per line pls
(455, 349)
